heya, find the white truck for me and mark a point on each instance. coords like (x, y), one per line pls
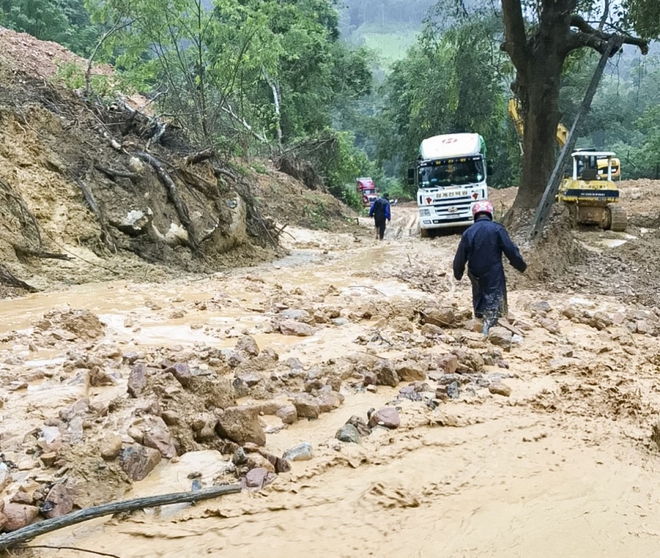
(450, 174)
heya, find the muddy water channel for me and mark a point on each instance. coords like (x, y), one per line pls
(531, 443)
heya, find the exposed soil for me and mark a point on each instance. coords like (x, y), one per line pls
(157, 367)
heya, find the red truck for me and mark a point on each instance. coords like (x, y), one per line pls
(367, 189)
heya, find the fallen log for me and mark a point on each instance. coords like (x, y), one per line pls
(26, 533)
(173, 196)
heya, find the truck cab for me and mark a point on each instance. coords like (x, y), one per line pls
(367, 190)
(450, 174)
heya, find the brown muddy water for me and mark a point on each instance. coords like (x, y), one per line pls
(562, 467)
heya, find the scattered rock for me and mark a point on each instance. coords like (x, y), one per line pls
(410, 371)
(348, 433)
(181, 371)
(432, 331)
(452, 390)
(137, 380)
(241, 425)
(247, 345)
(58, 502)
(499, 388)
(110, 446)
(441, 317)
(540, 307)
(99, 377)
(301, 452)
(329, 400)
(156, 435)
(19, 515)
(655, 434)
(385, 373)
(448, 363)
(360, 425)
(500, 336)
(387, 417)
(138, 461)
(306, 406)
(292, 327)
(258, 477)
(288, 414)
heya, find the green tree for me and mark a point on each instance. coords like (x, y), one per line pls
(539, 37)
(64, 21)
(453, 81)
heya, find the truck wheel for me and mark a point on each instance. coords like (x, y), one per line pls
(424, 233)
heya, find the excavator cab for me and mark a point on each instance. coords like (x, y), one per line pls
(592, 195)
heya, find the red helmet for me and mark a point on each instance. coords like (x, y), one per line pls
(483, 206)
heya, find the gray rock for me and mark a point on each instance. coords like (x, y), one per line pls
(292, 327)
(301, 452)
(137, 380)
(348, 433)
(360, 425)
(452, 390)
(181, 371)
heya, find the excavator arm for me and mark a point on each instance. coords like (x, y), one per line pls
(561, 137)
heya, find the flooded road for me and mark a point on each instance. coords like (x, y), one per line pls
(561, 466)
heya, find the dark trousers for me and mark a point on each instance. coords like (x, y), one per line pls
(380, 228)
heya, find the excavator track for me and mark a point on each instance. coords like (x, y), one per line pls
(618, 217)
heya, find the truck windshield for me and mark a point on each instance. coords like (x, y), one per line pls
(451, 172)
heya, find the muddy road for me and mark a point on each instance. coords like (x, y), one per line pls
(533, 444)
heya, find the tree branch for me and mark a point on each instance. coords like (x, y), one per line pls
(515, 37)
(588, 36)
(23, 534)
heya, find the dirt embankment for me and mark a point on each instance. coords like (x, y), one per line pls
(93, 192)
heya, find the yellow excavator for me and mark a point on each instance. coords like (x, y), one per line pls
(590, 191)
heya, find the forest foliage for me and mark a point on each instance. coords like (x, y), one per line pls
(261, 77)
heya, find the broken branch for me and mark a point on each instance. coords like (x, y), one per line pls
(49, 525)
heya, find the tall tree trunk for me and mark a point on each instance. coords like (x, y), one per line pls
(540, 101)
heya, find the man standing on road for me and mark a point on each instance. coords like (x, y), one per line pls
(380, 211)
(481, 247)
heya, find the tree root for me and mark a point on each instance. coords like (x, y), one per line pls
(173, 196)
(7, 278)
(107, 237)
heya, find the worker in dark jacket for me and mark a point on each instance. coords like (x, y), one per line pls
(380, 211)
(481, 248)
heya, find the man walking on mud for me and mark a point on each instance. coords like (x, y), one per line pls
(481, 248)
(380, 211)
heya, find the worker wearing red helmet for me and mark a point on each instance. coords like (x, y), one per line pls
(481, 248)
